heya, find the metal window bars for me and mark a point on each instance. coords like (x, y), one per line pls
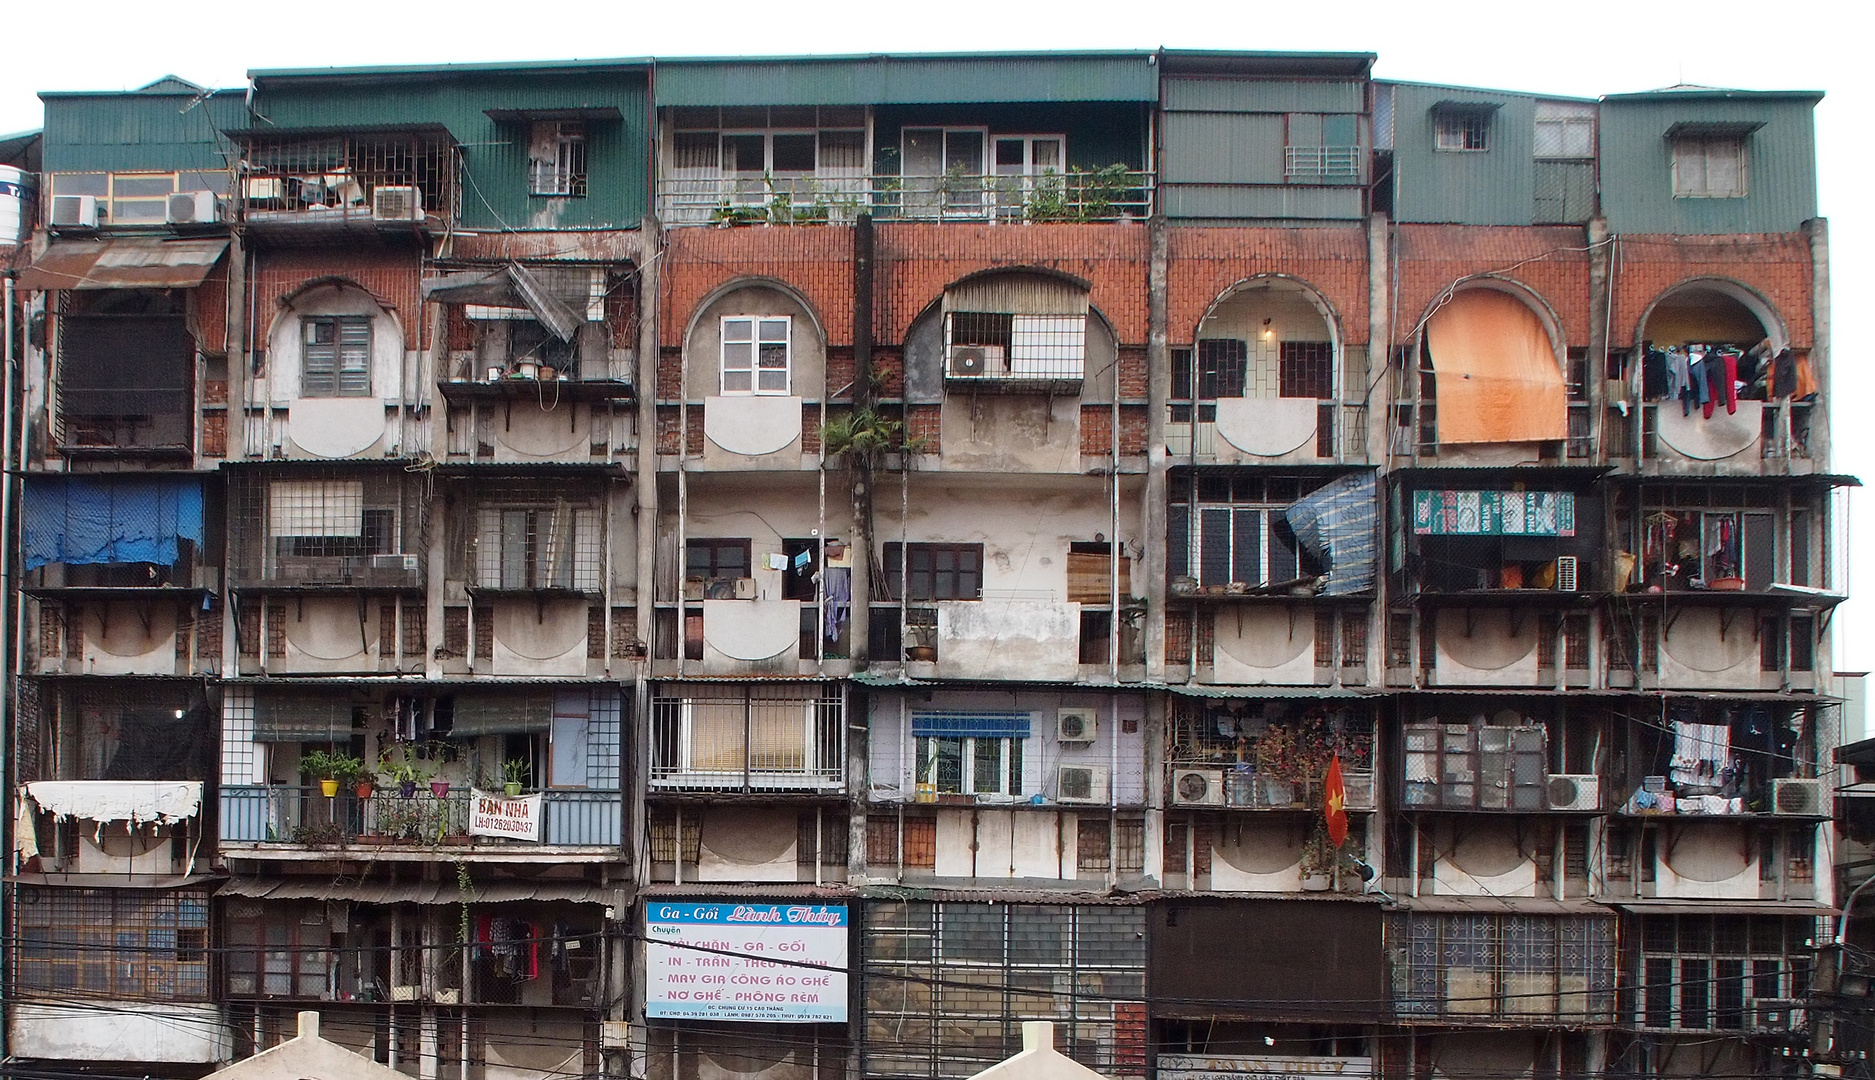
(769, 739)
(531, 536)
(339, 176)
(712, 195)
(327, 527)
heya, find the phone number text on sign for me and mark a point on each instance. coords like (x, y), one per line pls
(746, 962)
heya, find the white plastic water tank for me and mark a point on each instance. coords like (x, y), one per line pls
(15, 191)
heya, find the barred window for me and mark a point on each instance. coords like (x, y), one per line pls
(1504, 966)
(1702, 972)
(110, 943)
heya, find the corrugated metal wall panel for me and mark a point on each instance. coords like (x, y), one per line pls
(132, 131)
(494, 191)
(1272, 202)
(1264, 95)
(909, 80)
(1637, 166)
(1223, 148)
(1491, 187)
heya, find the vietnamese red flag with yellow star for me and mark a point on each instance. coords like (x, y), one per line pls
(1335, 799)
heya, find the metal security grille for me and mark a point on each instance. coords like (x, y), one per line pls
(141, 944)
(1702, 972)
(342, 174)
(947, 986)
(768, 738)
(527, 536)
(362, 528)
(1305, 369)
(1559, 968)
(335, 356)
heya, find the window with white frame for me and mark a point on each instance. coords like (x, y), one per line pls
(772, 737)
(335, 356)
(757, 354)
(557, 158)
(327, 519)
(1222, 530)
(1709, 167)
(970, 764)
(1565, 130)
(1462, 131)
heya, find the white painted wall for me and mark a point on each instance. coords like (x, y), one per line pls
(150, 1031)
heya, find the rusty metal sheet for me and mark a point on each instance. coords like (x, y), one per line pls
(125, 262)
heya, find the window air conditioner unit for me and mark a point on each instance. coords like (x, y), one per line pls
(193, 208)
(745, 588)
(977, 361)
(265, 189)
(1574, 791)
(79, 211)
(394, 562)
(1197, 787)
(1075, 725)
(1799, 798)
(1359, 785)
(1566, 573)
(1081, 784)
(396, 204)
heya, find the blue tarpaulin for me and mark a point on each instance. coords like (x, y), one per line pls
(980, 723)
(1335, 522)
(77, 519)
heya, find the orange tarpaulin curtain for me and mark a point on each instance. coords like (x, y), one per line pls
(1498, 381)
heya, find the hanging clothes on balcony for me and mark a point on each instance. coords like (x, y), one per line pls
(1700, 753)
(839, 584)
(73, 520)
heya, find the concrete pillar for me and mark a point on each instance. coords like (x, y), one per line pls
(1158, 390)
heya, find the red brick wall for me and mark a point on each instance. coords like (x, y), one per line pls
(1549, 261)
(1097, 429)
(1203, 262)
(211, 310)
(1777, 266)
(926, 424)
(394, 277)
(916, 261)
(816, 261)
(1133, 377)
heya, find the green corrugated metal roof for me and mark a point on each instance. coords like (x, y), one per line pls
(907, 80)
(428, 71)
(1688, 91)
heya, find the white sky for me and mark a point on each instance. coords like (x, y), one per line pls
(1582, 49)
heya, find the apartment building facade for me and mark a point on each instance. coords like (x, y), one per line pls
(796, 566)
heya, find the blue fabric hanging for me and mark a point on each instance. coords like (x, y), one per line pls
(74, 520)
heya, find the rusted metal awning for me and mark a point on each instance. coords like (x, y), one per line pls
(421, 892)
(125, 262)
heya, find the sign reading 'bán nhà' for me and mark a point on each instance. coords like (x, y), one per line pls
(746, 962)
(497, 815)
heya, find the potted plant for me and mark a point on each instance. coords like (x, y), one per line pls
(363, 780)
(1318, 862)
(330, 769)
(439, 789)
(513, 776)
(404, 772)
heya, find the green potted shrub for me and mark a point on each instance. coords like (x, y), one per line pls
(404, 772)
(331, 769)
(513, 776)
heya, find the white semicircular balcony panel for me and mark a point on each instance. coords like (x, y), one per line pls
(328, 630)
(752, 425)
(335, 427)
(752, 630)
(126, 646)
(1710, 647)
(1485, 861)
(1256, 645)
(534, 429)
(1259, 860)
(1498, 650)
(1724, 435)
(546, 637)
(1267, 427)
(1707, 860)
(747, 846)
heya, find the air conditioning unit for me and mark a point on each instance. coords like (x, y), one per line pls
(1359, 785)
(396, 204)
(1774, 1014)
(1197, 787)
(1566, 570)
(78, 211)
(193, 208)
(394, 562)
(977, 361)
(745, 588)
(1799, 798)
(265, 189)
(1075, 725)
(1081, 784)
(1574, 791)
